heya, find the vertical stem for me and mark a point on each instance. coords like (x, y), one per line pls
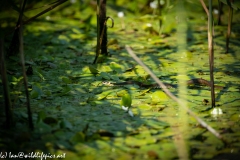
(30, 121)
(230, 15)
(219, 12)
(211, 51)
(8, 106)
(25, 78)
(103, 29)
(160, 16)
(14, 46)
(98, 34)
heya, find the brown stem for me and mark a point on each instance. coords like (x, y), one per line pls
(8, 106)
(230, 15)
(211, 52)
(30, 121)
(204, 7)
(219, 12)
(14, 46)
(103, 29)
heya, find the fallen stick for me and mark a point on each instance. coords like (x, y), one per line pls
(180, 102)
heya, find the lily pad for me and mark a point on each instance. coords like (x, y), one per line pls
(159, 96)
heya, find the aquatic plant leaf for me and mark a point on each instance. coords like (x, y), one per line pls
(126, 100)
(78, 138)
(116, 67)
(93, 70)
(159, 96)
(103, 95)
(66, 80)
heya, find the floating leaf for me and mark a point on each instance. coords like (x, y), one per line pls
(65, 91)
(112, 42)
(157, 124)
(78, 137)
(104, 68)
(52, 65)
(116, 67)
(140, 70)
(143, 92)
(41, 116)
(121, 93)
(144, 106)
(65, 124)
(43, 128)
(101, 58)
(159, 96)
(132, 141)
(235, 117)
(103, 95)
(60, 134)
(39, 74)
(105, 75)
(115, 77)
(50, 121)
(48, 93)
(34, 94)
(66, 80)
(93, 70)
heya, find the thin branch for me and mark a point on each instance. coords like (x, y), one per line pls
(204, 6)
(46, 5)
(8, 106)
(45, 11)
(180, 102)
(30, 121)
(38, 15)
(98, 33)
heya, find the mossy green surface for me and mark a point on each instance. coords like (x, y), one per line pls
(76, 114)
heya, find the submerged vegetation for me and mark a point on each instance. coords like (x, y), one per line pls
(78, 99)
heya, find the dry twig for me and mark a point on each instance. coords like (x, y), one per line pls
(180, 102)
